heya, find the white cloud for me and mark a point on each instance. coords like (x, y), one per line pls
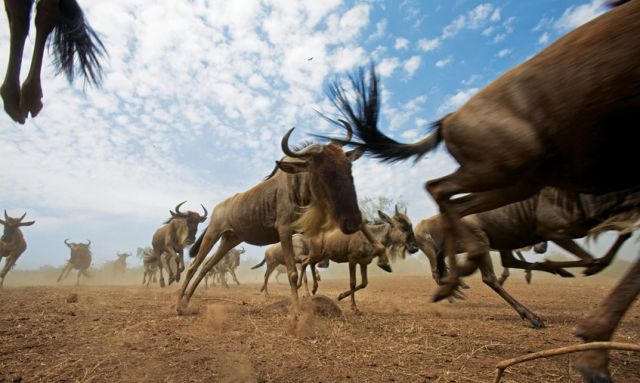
(454, 27)
(387, 66)
(503, 52)
(577, 15)
(411, 65)
(476, 18)
(428, 45)
(401, 43)
(544, 38)
(474, 78)
(381, 28)
(496, 15)
(444, 62)
(457, 100)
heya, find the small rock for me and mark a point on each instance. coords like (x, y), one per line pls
(72, 298)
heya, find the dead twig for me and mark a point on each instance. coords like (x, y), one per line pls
(564, 350)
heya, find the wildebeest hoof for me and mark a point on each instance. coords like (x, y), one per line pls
(527, 276)
(450, 288)
(162, 283)
(535, 321)
(386, 267)
(597, 267)
(177, 278)
(342, 296)
(593, 365)
(564, 273)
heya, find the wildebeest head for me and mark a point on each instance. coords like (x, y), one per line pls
(242, 250)
(192, 219)
(11, 225)
(77, 246)
(401, 232)
(331, 183)
(122, 256)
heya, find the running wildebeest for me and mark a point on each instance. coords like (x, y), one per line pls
(310, 190)
(228, 264)
(538, 248)
(80, 260)
(170, 240)
(395, 233)
(274, 258)
(12, 243)
(149, 264)
(119, 266)
(72, 36)
(567, 117)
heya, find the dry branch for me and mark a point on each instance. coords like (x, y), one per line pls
(564, 350)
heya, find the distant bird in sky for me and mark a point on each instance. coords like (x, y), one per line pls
(310, 58)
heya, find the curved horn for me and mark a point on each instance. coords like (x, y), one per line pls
(285, 146)
(7, 217)
(242, 248)
(349, 130)
(67, 243)
(21, 218)
(178, 212)
(206, 213)
(397, 210)
(88, 242)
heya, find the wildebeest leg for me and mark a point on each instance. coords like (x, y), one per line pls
(47, 15)
(316, 277)
(170, 255)
(489, 278)
(160, 257)
(306, 284)
(527, 273)
(507, 260)
(600, 325)
(179, 264)
(464, 181)
(211, 236)
(352, 282)
(65, 272)
(603, 262)
(428, 249)
(227, 242)
(223, 278)
(289, 259)
(233, 275)
(270, 267)
(18, 12)
(7, 266)
(503, 277)
(78, 279)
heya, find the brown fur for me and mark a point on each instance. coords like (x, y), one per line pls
(265, 214)
(12, 243)
(170, 240)
(80, 260)
(395, 233)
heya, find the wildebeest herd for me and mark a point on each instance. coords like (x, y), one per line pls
(542, 154)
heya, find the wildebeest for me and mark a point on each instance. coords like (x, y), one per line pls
(170, 240)
(228, 264)
(274, 258)
(538, 248)
(310, 190)
(149, 264)
(395, 233)
(72, 36)
(80, 260)
(12, 243)
(119, 266)
(567, 117)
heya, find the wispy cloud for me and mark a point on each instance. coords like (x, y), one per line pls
(503, 52)
(455, 101)
(444, 62)
(401, 43)
(577, 15)
(428, 45)
(544, 39)
(411, 65)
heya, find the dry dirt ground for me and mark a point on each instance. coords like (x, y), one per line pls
(130, 333)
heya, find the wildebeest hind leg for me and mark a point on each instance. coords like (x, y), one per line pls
(600, 325)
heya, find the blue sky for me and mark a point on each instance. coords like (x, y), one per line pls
(197, 95)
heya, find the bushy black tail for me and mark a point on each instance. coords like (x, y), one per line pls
(193, 251)
(260, 264)
(364, 120)
(73, 35)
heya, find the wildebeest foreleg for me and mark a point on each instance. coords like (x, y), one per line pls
(179, 264)
(507, 259)
(600, 325)
(352, 284)
(227, 242)
(233, 275)
(506, 273)
(18, 12)
(428, 248)
(65, 272)
(210, 237)
(379, 249)
(286, 243)
(489, 278)
(11, 260)
(270, 267)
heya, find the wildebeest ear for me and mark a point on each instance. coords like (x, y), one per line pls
(2, 221)
(292, 167)
(384, 217)
(354, 154)
(28, 223)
